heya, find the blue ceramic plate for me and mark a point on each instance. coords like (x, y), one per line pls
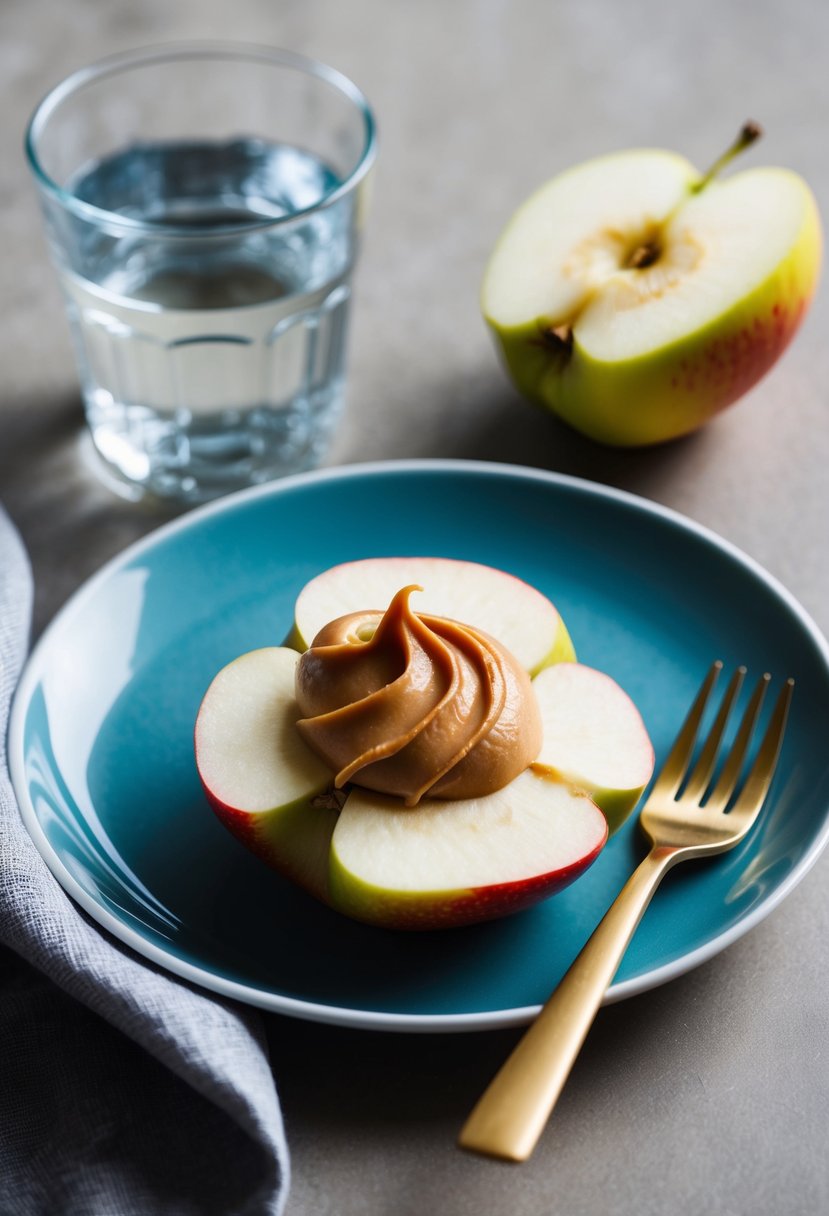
(102, 755)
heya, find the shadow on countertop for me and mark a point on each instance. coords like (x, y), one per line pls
(342, 1089)
(487, 420)
(69, 521)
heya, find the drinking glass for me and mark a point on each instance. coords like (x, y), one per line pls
(203, 206)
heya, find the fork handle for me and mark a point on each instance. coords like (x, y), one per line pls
(512, 1112)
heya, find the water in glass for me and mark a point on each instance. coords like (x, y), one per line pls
(210, 332)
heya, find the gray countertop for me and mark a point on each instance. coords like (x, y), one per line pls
(710, 1094)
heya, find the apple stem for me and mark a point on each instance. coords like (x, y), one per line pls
(750, 132)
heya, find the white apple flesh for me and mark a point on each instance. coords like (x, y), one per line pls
(453, 863)
(594, 738)
(636, 299)
(505, 607)
(259, 777)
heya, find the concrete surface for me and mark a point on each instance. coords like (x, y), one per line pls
(710, 1094)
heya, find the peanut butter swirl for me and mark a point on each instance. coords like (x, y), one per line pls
(408, 705)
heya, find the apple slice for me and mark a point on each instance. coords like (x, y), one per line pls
(453, 863)
(635, 297)
(443, 862)
(446, 862)
(594, 738)
(262, 781)
(504, 606)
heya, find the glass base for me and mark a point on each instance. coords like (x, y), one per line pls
(149, 459)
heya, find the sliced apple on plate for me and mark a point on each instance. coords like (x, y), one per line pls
(594, 738)
(636, 298)
(508, 609)
(454, 863)
(260, 778)
(443, 862)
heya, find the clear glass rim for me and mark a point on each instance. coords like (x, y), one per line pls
(239, 51)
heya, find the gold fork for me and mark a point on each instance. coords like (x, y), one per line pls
(685, 816)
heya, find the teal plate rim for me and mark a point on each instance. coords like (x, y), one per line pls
(598, 504)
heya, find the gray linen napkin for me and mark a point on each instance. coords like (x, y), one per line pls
(123, 1091)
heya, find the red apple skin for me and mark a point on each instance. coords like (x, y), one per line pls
(294, 841)
(679, 389)
(451, 910)
(292, 836)
(727, 367)
(315, 871)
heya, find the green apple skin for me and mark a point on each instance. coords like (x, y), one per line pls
(424, 910)
(615, 805)
(575, 687)
(294, 840)
(563, 650)
(293, 835)
(672, 391)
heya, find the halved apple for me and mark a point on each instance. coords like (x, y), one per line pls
(443, 862)
(508, 609)
(636, 297)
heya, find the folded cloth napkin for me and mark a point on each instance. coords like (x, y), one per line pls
(123, 1090)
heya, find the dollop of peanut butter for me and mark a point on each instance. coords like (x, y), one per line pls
(409, 704)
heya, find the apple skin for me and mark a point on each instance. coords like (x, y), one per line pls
(615, 805)
(293, 840)
(562, 651)
(672, 391)
(446, 910)
(294, 836)
(296, 842)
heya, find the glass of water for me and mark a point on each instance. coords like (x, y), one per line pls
(203, 206)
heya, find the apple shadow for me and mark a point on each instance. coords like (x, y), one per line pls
(504, 427)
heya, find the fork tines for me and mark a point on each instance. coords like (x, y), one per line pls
(675, 779)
